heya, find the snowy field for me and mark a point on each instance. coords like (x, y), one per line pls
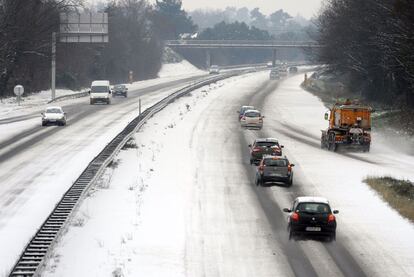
(182, 202)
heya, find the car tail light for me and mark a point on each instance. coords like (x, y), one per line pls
(261, 168)
(331, 218)
(256, 149)
(338, 138)
(289, 168)
(243, 118)
(294, 217)
(276, 149)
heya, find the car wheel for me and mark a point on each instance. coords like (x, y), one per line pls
(44, 123)
(251, 162)
(291, 234)
(290, 182)
(91, 102)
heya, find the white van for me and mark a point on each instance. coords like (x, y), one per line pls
(100, 92)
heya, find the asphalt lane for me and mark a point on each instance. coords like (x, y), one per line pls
(296, 253)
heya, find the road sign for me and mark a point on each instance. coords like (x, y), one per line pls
(83, 27)
(18, 90)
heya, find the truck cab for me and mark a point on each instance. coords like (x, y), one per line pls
(100, 92)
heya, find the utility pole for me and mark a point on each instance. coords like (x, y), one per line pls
(274, 57)
(53, 86)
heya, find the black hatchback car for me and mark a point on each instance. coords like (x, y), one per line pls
(120, 90)
(311, 216)
(264, 146)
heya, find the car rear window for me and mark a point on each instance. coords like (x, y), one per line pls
(243, 109)
(313, 208)
(272, 162)
(252, 114)
(119, 87)
(266, 144)
(53, 110)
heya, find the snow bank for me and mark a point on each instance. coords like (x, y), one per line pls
(8, 105)
(177, 69)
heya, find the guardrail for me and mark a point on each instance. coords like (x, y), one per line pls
(69, 96)
(31, 261)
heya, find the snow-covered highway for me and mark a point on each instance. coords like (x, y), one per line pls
(38, 164)
(184, 203)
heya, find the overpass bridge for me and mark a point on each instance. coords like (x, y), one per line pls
(209, 45)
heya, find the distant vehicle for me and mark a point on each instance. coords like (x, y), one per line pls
(311, 216)
(243, 109)
(100, 92)
(214, 69)
(349, 126)
(274, 169)
(269, 64)
(53, 115)
(274, 75)
(252, 119)
(264, 146)
(283, 71)
(293, 69)
(120, 90)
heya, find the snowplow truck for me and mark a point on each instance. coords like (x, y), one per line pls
(349, 127)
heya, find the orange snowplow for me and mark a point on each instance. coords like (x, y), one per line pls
(349, 127)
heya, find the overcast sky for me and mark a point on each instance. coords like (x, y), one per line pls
(306, 8)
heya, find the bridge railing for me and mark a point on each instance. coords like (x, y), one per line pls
(268, 43)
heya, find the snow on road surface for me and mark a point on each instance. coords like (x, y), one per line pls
(183, 203)
(180, 220)
(38, 164)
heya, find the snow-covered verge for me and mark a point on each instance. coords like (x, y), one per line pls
(9, 105)
(177, 69)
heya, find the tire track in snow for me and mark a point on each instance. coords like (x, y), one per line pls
(299, 262)
(338, 252)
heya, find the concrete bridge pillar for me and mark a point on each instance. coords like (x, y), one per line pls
(208, 56)
(274, 57)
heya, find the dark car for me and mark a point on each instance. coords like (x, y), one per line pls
(243, 109)
(264, 146)
(274, 75)
(311, 216)
(274, 169)
(293, 69)
(120, 90)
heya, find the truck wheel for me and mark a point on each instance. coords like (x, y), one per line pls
(331, 142)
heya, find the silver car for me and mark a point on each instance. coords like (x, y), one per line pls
(252, 119)
(53, 115)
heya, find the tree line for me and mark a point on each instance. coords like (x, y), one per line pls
(370, 44)
(137, 29)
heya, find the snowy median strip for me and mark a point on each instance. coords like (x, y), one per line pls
(78, 191)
